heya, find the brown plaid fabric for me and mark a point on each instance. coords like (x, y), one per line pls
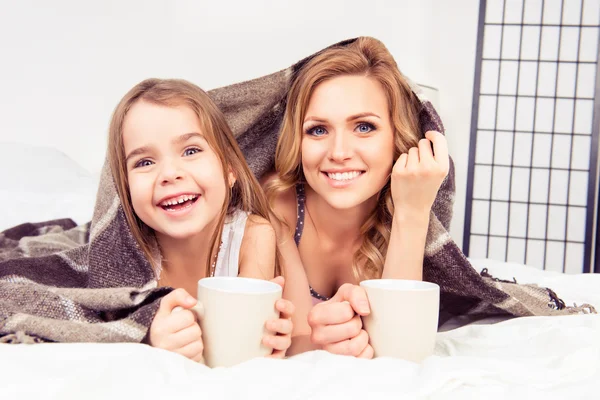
(91, 283)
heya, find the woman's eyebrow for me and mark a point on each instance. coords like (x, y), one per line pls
(350, 118)
(362, 115)
(314, 119)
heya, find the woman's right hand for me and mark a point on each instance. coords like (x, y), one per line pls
(177, 331)
(336, 325)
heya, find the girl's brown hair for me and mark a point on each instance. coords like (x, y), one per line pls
(246, 193)
(364, 57)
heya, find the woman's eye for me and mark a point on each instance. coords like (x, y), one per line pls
(191, 151)
(365, 127)
(317, 131)
(143, 163)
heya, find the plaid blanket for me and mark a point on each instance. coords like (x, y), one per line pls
(91, 283)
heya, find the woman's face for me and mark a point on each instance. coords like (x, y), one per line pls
(347, 141)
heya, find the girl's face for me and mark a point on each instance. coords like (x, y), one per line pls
(175, 178)
(347, 141)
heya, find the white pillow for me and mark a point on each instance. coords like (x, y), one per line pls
(39, 169)
(41, 183)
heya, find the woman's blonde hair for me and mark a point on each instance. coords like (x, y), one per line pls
(364, 57)
(246, 193)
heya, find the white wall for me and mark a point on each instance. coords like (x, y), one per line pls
(66, 63)
(455, 30)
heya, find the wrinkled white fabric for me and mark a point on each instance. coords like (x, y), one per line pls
(531, 357)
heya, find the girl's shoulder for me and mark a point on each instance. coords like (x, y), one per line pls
(258, 249)
(248, 223)
(257, 223)
(259, 232)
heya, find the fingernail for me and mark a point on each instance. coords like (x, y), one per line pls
(189, 300)
(363, 306)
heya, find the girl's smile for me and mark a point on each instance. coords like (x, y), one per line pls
(179, 204)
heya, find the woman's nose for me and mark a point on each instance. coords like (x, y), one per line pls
(341, 147)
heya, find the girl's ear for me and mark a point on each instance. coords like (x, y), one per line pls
(231, 178)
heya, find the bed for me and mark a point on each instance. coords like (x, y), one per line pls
(536, 357)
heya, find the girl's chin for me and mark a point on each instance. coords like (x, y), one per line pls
(177, 234)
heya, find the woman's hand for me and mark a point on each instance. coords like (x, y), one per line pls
(418, 174)
(177, 331)
(336, 324)
(280, 337)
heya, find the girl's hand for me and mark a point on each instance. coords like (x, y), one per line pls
(281, 337)
(418, 174)
(336, 324)
(177, 331)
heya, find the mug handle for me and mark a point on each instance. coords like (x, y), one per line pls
(198, 311)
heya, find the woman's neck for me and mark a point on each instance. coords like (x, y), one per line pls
(334, 224)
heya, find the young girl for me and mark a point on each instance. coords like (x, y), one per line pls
(187, 190)
(355, 184)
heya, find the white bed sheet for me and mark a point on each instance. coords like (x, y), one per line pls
(535, 357)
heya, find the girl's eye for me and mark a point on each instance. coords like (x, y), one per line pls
(143, 163)
(317, 131)
(365, 127)
(191, 151)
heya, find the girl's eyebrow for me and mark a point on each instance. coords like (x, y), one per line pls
(187, 136)
(180, 139)
(138, 151)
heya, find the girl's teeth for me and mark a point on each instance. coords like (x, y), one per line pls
(180, 200)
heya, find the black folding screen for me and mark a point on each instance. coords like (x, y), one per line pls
(531, 194)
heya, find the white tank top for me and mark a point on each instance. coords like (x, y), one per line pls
(228, 260)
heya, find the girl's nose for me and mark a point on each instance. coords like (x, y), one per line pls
(170, 172)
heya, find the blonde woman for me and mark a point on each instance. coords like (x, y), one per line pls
(355, 183)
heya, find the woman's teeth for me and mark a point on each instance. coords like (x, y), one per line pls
(343, 176)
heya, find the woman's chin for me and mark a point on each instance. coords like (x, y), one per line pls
(344, 201)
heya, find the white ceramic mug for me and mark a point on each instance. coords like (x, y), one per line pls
(232, 313)
(404, 317)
